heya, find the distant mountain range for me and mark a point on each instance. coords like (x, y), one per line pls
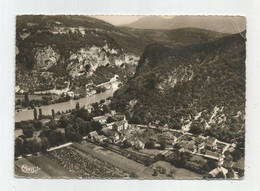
(223, 24)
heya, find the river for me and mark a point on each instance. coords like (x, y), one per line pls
(46, 110)
(32, 96)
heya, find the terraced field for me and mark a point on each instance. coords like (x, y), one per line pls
(88, 160)
(84, 165)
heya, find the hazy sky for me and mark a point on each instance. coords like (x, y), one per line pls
(122, 19)
(119, 19)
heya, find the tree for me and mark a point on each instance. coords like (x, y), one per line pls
(135, 120)
(37, 125)
(63, 122)
(82, 113)
(196, 128)
(71, 134)
(52, 124)
(35, 114)
(40, 114)
(236, 154)
(162, 145)
(88, 127)
(29, 130)
(100, 89)
(106, 109)
(150, 144)
(110, 119)
(18, 147)
(56, 138)
(53, 113)
(77, 106)
(155, 173)
(87, 67)
(26, 97)
(45, 130)
(36, 147)
(126, 144)
(28, 146)
(133, 175)
(45, 144)
(96, 126)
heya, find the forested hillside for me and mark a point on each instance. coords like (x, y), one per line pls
(51, 50)
(198, 88)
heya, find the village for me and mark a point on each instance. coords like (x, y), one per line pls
(150, 143)
(147, 144)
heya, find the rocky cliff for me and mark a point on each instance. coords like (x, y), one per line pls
(49, 48)
(198, 88)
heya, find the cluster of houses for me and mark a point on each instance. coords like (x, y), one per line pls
(209, 147)
(116, 131)
(111, 130)
(200, 147)
(235, 169)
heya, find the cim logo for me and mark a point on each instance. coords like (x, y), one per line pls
(29, 169)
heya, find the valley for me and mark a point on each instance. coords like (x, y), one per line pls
(94, 100)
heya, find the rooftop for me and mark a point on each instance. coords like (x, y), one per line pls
(98, 118)
(213, 155)
(240, 164)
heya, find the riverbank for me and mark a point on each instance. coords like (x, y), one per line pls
(64, 106)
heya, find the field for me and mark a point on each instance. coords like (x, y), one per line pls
(87, 160)
(48, 168)
(115, 159)
(84, 165)
(177, 173)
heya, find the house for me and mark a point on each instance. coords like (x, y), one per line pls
(211, 143)
(228, 163)
(201, 146)
(114, 136)
(141, 126)
(166, 126)
(101, 138)
(212, 155)
(71, 94)
(97, 138)
(139, 144)
(113, 112)
(157, 122)
(109, 125)
(101, 119)
(89, 108)
(239, 166)
(167, 135)
(108, 115)
(120, 125)
(215, 172)
(93, 135)
(119, 117)
(187, 147)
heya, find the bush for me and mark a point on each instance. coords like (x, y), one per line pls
(29, 130)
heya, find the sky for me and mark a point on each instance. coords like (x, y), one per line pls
(122, 19)
(118, 19)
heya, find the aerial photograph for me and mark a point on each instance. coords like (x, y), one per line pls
(130, 97)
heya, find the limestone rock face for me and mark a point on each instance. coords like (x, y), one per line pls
(45, 57)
